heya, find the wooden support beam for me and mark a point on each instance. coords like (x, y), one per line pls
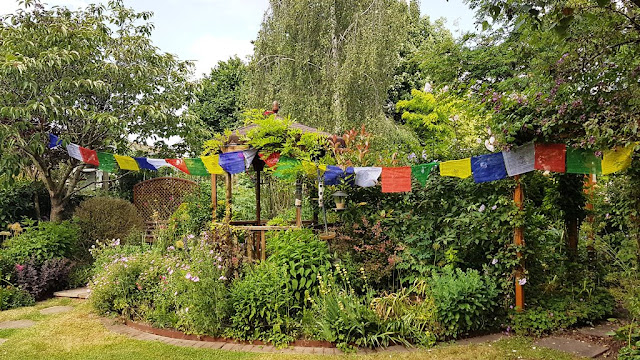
(263, 246)
(518, 237)
(258, 209)
(298, 202)
(214, 196)
(227, 216)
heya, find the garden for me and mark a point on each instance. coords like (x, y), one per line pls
(437, 198)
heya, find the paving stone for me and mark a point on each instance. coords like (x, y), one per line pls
(80, 293)
(599, 330)
(481, 339)
(56, 310)
(17, 324)
(246, 347)
(212, 344)
(576, 347)
(229, 347)
(2, 341)
(331, 351)
(264, 349)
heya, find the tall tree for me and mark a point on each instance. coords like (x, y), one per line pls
(91, 76)
(330, 63)
(220, 99)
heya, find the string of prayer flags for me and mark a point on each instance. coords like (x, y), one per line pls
(179, 164)
(581, 161)
(54, 141)
(489, 167)
(367, 176)
(520, 160)
(617, 159)
(551, 157)
(270, 160)
(89, 156)
(396, 179)
(144, 163)
(196, 167)
(286, 168)
(421, 172)
(232, 162)
(211, 163)
(249, 155)
(74, 151)
(126, 162)
(457, 168)
(333, 174)
(106, 162)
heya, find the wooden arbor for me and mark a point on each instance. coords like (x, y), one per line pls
(257, 228)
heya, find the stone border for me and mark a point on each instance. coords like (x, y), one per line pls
(135, 332)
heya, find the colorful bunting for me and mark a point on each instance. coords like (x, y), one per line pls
(211, 163)
(143, 162)
(489, 167)
(158, 163)
(232, 162)
(74, 151)
(107, 162)
(270, 160)
(126, 162)
(89, 156)
(617, 159)
(520, 160)
(286, 168)
(397, 179)
(421, 172)
(249, 155)
(551, 157)
(196, 167)
(581, 161)
(367, 176)
(458, 168)
(334, 174)
(54, 141)
(178, 164)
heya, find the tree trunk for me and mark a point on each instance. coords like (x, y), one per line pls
(36, 205)
(572, 226)
(57, 208)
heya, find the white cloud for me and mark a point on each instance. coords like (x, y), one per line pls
(207, 50)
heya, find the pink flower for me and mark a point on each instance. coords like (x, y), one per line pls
(195, 279)
(188, 276)
(222, 278)
(19, 267)
(522, 281)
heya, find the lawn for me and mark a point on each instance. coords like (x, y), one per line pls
(79, 334)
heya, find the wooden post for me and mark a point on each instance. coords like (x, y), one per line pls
(298, 202)
(227, 216)
(214, 195)
(263, 246)
(258, 197)
(518, 238)
(589, 189)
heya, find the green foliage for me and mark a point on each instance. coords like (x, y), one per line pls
(17, 201)
(193, 215)
(465, 301)
(12, 297)
(303, 257)
(631, 335)
(104, 218)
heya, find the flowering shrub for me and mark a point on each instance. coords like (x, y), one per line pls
(12, 297)
(42, 280)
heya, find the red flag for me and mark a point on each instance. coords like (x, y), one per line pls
(89, 156)
(270, 160)
(551, 157)
(179, 164)
(397, 179)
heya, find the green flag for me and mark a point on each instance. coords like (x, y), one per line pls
(107, 162)
(287, 168)
(196, 167)
(421, 172)
(581, 161)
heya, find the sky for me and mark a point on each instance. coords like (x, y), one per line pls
(207, 31)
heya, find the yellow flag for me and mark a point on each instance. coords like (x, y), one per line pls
(616, 159)
(311, 169)
(126, 162)
(458, 168)
(211, 163)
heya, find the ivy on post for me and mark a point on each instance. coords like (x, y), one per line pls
(518, 238)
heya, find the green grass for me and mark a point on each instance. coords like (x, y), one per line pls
(79, 334)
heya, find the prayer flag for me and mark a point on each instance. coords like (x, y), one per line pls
(334, 174)
(143, 163)
(54, 141)
(520, 160)
(396, 179)
(232, 162)
(107, 162)
(581, 161)
(421, 172)
(551, 157)
(89, 156)
(488, 167)
(179, 164)
(196, 167)
(617, 159)
(74, 151)
(211, 163)
(270, 160)
(249, 155)
(126, 162)
(458, 168)
(286, 168)
(157, 163)
(367, 176)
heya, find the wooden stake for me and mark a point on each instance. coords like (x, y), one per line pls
(518, 237)
(263, 246)
(214, 195)
(258, 197)
(227, 216)
(298, 203)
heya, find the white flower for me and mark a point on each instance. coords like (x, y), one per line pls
(482, 208)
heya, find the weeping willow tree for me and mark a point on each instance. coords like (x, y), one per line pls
(330, 63)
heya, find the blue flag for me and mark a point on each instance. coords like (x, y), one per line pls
(334, 174)
(232, 162)
(488, 167)
(54, 141)
(144, 164)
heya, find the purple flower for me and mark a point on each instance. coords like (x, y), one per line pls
(190, 236)
(424, 154)
(494, 261)
(171, 248)
(522, 281)
(482, 208)
(195, 279)
(219, 266)
(494, 207)
(598, 153)
(188, 276)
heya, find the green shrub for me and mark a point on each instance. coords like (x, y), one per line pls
(464, 300)
(41, 242)
(12, 297)
(105, 218)
(303, 257)
(261, 302)
(17, 201)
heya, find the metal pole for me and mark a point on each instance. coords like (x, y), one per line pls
(518, 238)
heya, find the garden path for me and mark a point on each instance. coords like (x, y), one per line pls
(79, 293)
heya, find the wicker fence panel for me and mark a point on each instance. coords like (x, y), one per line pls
(157, 199)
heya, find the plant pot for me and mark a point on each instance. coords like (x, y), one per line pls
(327, 236)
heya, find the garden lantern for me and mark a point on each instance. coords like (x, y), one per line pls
(340, 198)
